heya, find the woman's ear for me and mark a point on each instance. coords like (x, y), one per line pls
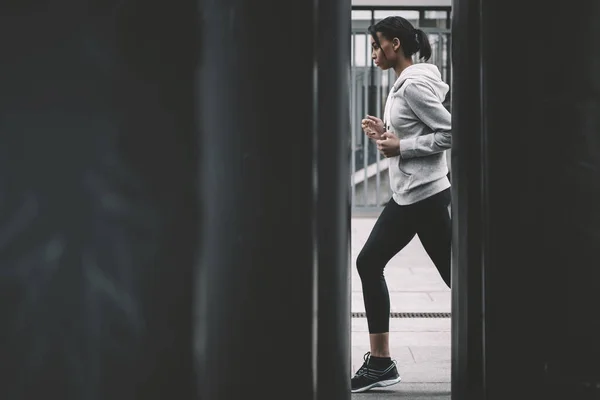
(396, 44)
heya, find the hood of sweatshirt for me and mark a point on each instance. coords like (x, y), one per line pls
(424, 73)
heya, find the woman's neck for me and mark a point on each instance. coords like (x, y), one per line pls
(402, 65)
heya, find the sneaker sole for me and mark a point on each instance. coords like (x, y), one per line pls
(389, 382)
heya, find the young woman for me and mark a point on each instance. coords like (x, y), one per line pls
(414, 134)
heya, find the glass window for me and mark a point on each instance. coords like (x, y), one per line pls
(411, 15)
(435, 19)
(361, 15)
(362, 50)
(436, 14)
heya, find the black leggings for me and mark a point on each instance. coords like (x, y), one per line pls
(394, 229)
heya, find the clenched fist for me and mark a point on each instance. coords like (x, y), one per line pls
(389, 145)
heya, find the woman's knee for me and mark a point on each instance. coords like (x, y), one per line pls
(368, 265)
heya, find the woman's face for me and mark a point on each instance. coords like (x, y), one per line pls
(384, 55)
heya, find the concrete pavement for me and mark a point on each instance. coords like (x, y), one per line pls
(420, 346)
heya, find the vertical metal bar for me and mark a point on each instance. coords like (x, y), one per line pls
(353, 119)
(372, 70)
(366, 141)
(371, 108)
(449, 61)
(378, 155)
(440, 49)
(258, 248)
(445, 58)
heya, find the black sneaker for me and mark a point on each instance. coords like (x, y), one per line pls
(369, 376)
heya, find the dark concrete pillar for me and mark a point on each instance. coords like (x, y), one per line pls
(542, 284)
(275, 175)
(98, 202)
(541, 189)
(333, 201)
(468, 203)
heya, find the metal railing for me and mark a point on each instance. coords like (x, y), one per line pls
(370, 187)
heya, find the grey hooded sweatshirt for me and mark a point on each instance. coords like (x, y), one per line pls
(414, 112)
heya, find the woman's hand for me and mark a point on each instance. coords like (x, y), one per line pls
(389, 145)
(373, 127)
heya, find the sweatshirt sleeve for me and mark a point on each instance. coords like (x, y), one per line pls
(429, 109)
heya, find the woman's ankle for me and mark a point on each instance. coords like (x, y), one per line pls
(380, 344)
(380, 354)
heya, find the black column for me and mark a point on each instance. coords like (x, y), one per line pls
(542, 282)
(333, 200)
(468, 166)
(515, 274)
(256, 283)
(98, 214)
(541, 190)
